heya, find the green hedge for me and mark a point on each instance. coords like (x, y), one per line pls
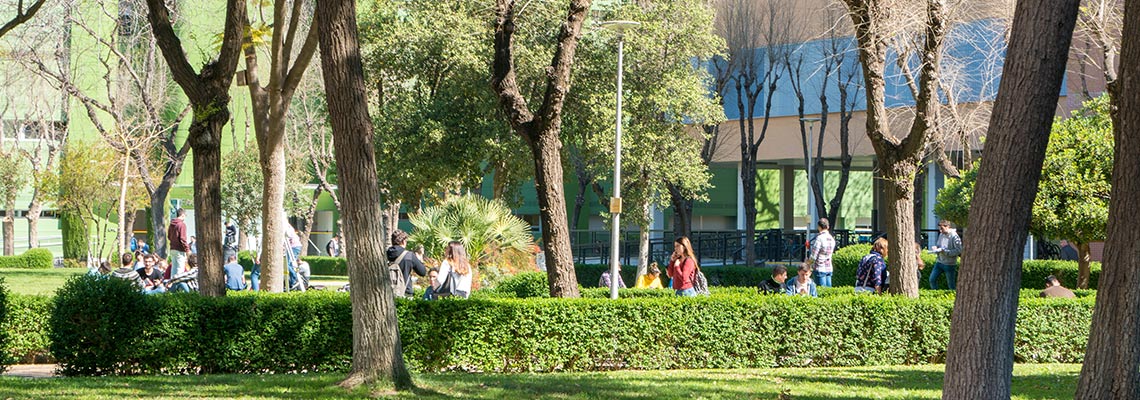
(27, 327)
(320, 265)
(733, 328)
(5, 334)
(1033, 272)
(37, 258)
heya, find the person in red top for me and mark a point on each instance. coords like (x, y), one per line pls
(178, 241)
(682, 267)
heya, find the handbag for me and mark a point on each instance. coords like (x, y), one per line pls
(447, 288)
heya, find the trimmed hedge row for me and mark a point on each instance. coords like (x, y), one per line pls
(732, 328)
(37, 258)
(319, 265)
(5, 335)
(845, 262)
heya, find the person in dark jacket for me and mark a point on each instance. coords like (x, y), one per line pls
(775, 284)
(179, 241)
(411, 261)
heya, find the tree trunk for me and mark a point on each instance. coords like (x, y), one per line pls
(205, 140)
(1083, 261)
(129, 226)
(158, 218)
(307, 222)
(376, 350)
(390, 220)
(898, 195)
(643, 242)
(35, 209)
(120, 229)
(748, 184)
(979, 363)
(1112, 359)
(546, 147)
(272, 216)
(682, 212)
(9, 228)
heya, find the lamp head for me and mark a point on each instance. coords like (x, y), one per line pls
(619, 26)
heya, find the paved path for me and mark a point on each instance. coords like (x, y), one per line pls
(31, 370)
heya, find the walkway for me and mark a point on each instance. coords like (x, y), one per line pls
(32, 370)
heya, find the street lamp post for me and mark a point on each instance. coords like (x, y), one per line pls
(615, 203)
(811, 217)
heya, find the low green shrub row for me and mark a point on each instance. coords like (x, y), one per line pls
(95, 329)
(27, 329)
(36, 258)
(5, 335)
(845, 262)
(319, 265)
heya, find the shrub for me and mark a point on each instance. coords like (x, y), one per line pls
(5, 335)
(73, 263)
(733, 328)
(1033, 273)
(27, 329)
(732, 275)
(319, 265)
(75, 235)
(523, 285)
(37, 258)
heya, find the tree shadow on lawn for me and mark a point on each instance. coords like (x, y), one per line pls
(296, 386)
(870, 382)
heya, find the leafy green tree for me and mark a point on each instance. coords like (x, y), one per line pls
(85, 189)
(494, 238)
(13, 179)
(241, 187)
(1073, 194)
(665, 95)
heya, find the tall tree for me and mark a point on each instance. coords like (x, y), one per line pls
(133, 111)
(208, 91)
(898, 157)
(979, 363)
(289, 57)
(542, 132)
(376, 350)
(13, 179)
(1112, 359)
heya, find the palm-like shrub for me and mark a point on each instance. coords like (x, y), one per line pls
(498, 242)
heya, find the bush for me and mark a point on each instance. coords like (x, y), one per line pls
(27, 329)
(1033, 272)
(319, 265)
(75, 235)
(5, 335)
(733, 328)
(37, 258)
(523, 285)
(731, 275)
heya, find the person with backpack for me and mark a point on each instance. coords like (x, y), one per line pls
(401, 263)
(682, 267)
(455, 273)
(871, 276)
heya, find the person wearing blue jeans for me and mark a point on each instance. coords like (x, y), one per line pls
(947, 247)
(821, 250)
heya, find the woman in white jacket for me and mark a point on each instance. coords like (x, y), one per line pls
(455, 259)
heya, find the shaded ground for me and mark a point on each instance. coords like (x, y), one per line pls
(1048, 381)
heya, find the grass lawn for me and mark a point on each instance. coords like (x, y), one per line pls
(1049, 381)
(46, 281)
(37, 281)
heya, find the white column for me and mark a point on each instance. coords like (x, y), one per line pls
(739, 197)
(932, 178)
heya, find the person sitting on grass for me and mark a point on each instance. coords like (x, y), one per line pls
(651, 280)
(151, 276)
(1053, 288)
(235, 274)
(802, 285)
(304, 272)
(871, 276)
(775, 284)
(126, 271)
(185, 281)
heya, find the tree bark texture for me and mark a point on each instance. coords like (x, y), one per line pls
(682, 212)
(33, 216)
(542, 132)
(9, 229)
(979, 363)
(159, 221)
(898, 158)
(1112, 358)
(376, 350)
(208, 92)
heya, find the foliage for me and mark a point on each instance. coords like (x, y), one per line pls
(32, 258)
(428, 60)
(319, 265)
(95, 329)
(241, 187)
(27, 329)
(1072, 196)
(5, 334)
(664, 94)
(491, 234)
(311, 332)
(83, 179)
(523, 285)
(14, 174)
(74, 230)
